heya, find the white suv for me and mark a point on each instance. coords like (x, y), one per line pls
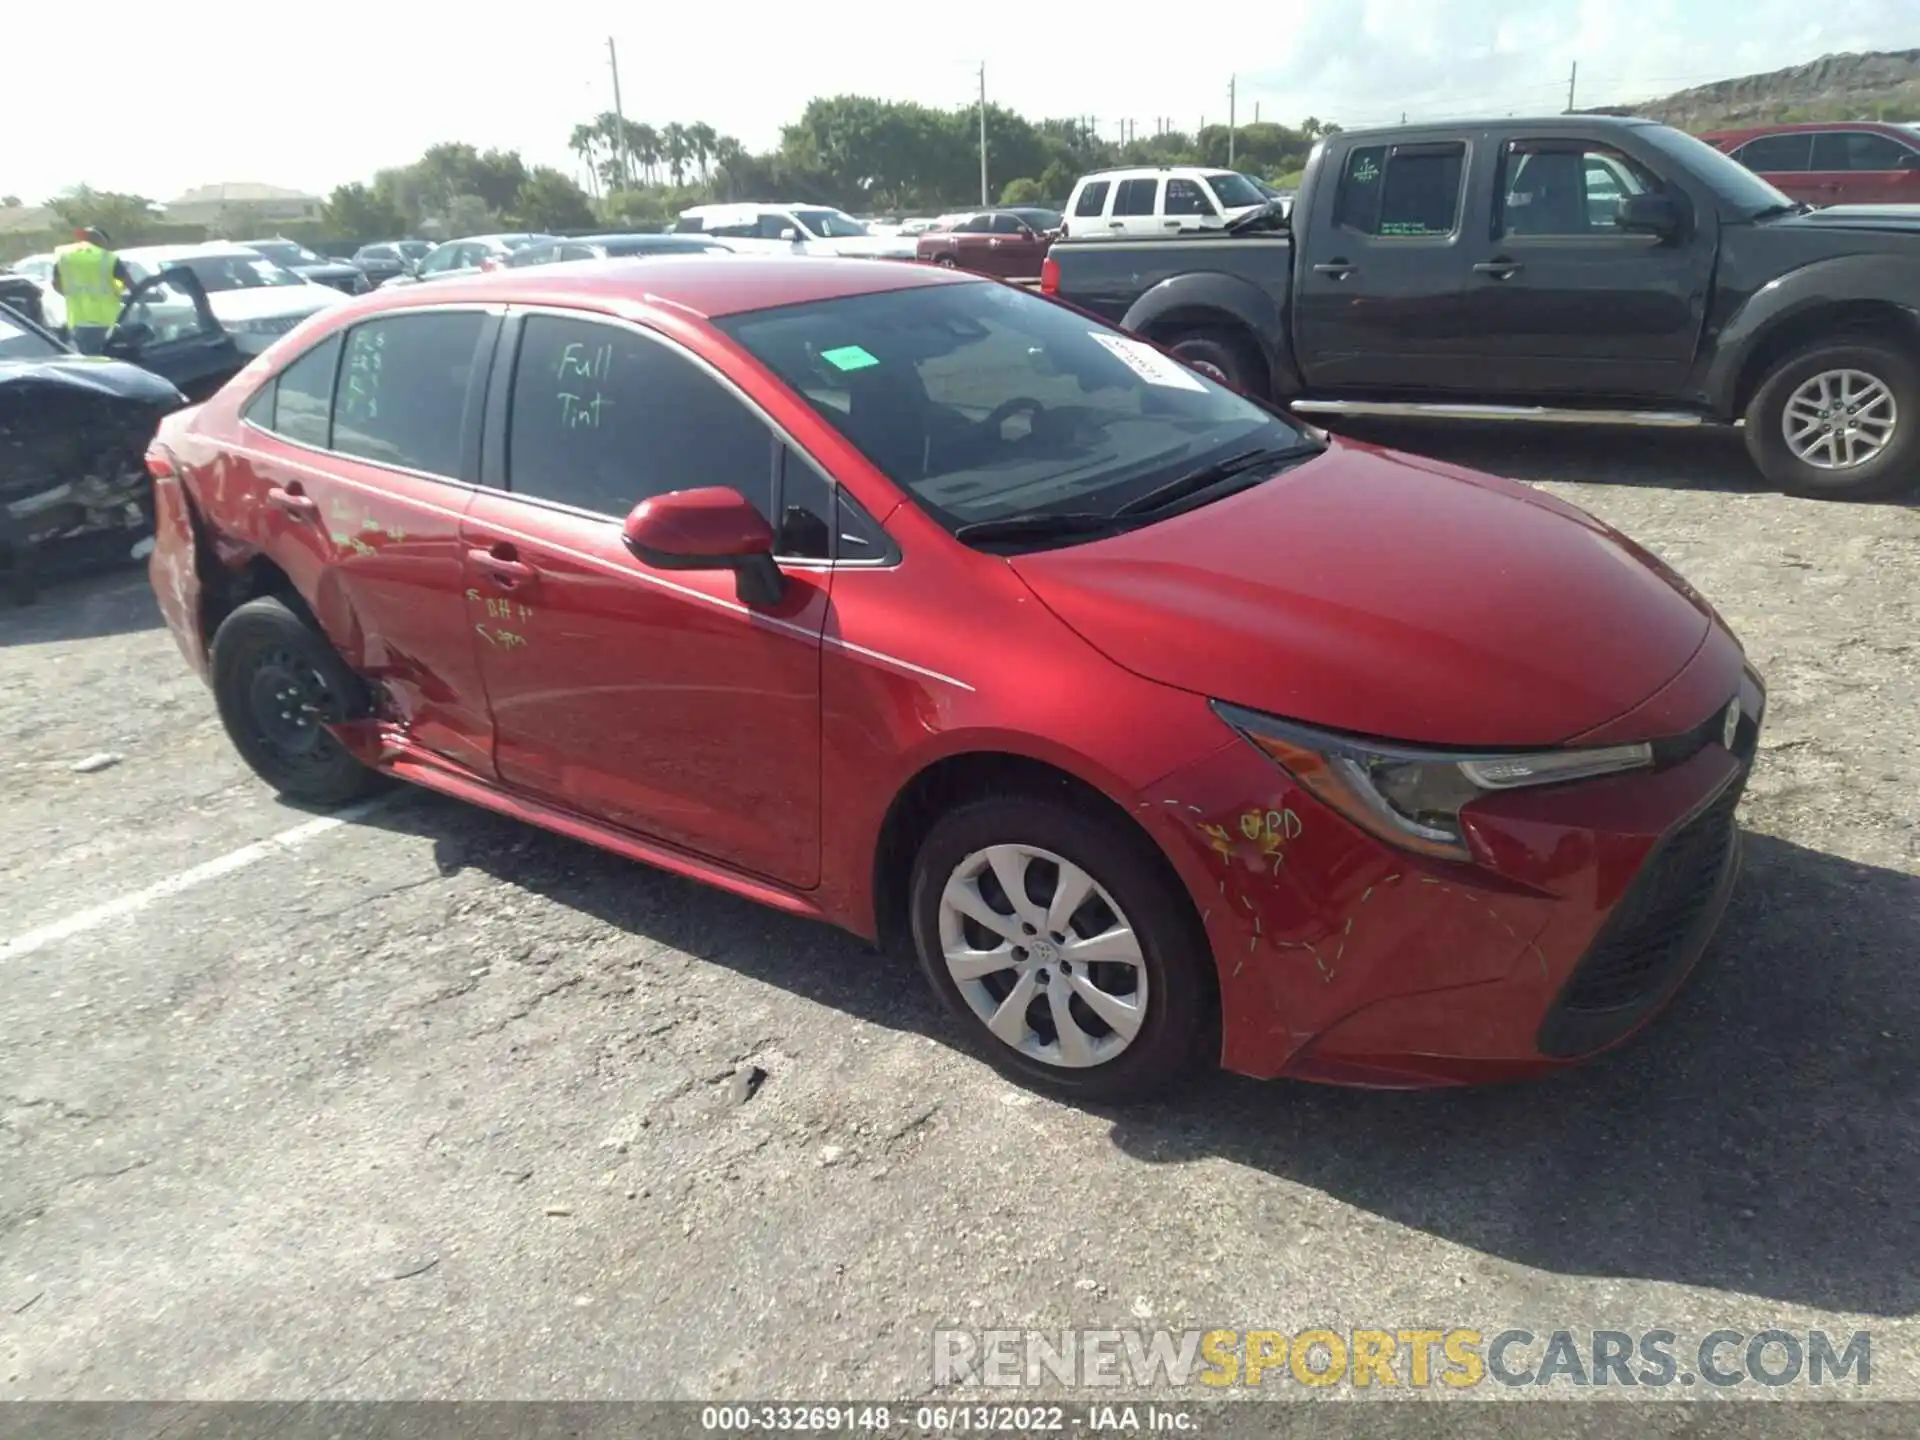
(1159, 201)
(792, 230)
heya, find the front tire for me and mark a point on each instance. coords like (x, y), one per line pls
(1065, 947)
(278, 682)
(1838, 420)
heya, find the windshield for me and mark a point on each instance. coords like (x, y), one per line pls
(20, 341)
(1730, 180)
(1234, 189)
(414, 249)
(983, 402)
(225, 272)
(285, 252)
(831, 224)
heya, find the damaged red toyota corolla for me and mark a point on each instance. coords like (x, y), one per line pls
(1161, 728)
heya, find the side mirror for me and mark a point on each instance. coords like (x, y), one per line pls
(1649, 215)
(712, 528)
(790, 235)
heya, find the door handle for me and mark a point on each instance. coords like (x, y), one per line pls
(1171, 224)
(1116, 224)
(1498, 269)
(294, 501)
(1338, 269)
(501, 567)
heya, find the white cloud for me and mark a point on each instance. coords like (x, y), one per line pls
(307, 97)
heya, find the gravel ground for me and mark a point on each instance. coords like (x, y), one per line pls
(431, 1105)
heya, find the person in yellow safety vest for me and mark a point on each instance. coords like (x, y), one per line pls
(85, 273)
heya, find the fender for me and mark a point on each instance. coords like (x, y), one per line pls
(1845, 279)
(1230, 295)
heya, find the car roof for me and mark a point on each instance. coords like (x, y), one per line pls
(1749, 132)
(210, 249)
(691, 284)
(1145, 170)
(1544, 126)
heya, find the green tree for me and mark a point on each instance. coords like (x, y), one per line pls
(549, 200)
(11, 202)
(1022, 192)
(128, 219)
(358, 212)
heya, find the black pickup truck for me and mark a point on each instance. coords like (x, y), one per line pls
(1579, 268)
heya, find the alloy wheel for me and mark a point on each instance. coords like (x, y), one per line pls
(1839, 419)
(1043, 955)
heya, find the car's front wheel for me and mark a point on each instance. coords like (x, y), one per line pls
(1065, 946)
(1839, 419)
(279, 683)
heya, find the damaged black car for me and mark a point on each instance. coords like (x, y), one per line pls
(74, 490)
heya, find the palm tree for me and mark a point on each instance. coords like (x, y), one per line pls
(701, 138)
(675, 148)
(585, 143)
(645, 143)
(729, 157)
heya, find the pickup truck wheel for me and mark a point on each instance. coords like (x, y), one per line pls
(1224, 356)
(1839, 420)
(278, 683)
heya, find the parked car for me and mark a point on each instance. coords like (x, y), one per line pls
(612, 247)
(385, 259)
(255, 300)
(1163, 728)
(1859, 163)
(23, 294)
(39, 269)
(1156, 200)
(797, 229)
(1581, 268)
(468, 256)
(301, 261)
(994, 242)
(74, 489)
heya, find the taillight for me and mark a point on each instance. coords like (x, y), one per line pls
(1049, 276)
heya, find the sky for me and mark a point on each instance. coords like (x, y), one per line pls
(311, 97)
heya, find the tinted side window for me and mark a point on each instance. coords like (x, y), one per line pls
(805, 531)
(1776, 154)
(401, 398)
(1007, 225)
(303, 403)
(1857, 150)
(972, 225)
(1186, 198)
(602, 418)
(1135, 197)
(1093, 199)
(1565, 191)
(1401, 190)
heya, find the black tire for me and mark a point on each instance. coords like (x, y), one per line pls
(1179, 1032)
(947, 262)
(266, 656)
(1228, 356)
(1892, 470)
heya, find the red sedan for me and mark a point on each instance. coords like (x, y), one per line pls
(1163, 729)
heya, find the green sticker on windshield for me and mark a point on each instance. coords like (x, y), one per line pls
(848, 357)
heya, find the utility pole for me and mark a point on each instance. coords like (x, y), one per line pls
(1256, 112)
(620, 115)
(1230, 119)
(1572, 75)
(983, 134)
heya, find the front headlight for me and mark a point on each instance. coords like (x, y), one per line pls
(1411, 797)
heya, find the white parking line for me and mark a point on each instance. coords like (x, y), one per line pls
(94, 916)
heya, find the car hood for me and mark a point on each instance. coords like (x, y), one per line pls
(89, 374)
(1376, 593)
(336, 269)
(272, 301)
(1855, 217)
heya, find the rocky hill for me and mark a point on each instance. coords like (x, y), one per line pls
(1880, 85)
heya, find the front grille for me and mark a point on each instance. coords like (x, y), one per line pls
(1652, 936)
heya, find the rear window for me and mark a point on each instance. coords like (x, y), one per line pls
(1093, 199)
(402, 393)
(1402, 191)
(1136, 197)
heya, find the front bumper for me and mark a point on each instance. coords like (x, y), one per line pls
(1345, 960)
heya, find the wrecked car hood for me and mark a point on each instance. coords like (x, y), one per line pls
(92, 374)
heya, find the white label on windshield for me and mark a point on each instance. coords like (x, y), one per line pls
(1148, 363)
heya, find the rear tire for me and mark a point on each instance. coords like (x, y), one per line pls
(1863, 450)
(947, 262)
(1228, 356)
(278, 682)
(1132, 943)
